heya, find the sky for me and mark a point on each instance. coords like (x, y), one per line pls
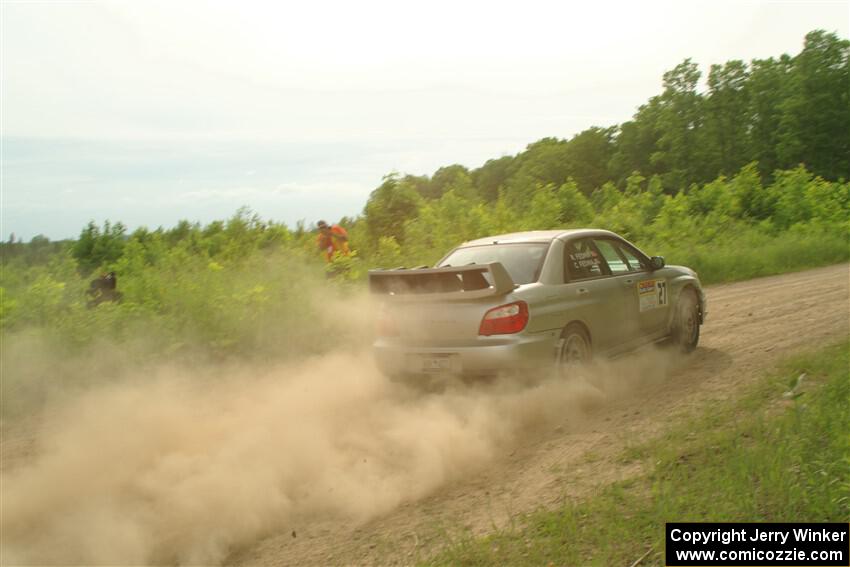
(151, 112)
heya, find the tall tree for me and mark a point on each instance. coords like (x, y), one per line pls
(680, 120)
(422, 185)
(587, 158)
(490, 178)
(96, 248)
(389, 206)
(816, 116)
(767, 86)
(453, 178)
(727, 120)
(543, 163)
(635, 144)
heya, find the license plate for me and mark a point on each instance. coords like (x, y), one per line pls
(436, 364)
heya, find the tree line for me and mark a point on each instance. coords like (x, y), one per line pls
(777, 113)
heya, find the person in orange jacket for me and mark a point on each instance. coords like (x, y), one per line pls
(332, 239)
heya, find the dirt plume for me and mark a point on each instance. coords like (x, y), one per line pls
(188, 463)
(187, 466)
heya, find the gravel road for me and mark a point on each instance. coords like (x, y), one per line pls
(751, 324)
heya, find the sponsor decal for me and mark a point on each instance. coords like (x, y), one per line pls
(652, 294)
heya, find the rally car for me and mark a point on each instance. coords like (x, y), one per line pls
(551, 299)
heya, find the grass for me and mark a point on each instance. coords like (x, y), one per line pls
(755, 255)
(779, 453)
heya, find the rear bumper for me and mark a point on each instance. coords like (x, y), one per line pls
(489, 355)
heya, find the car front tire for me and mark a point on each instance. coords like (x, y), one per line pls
(686, 324)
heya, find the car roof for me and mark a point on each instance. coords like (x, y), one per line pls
(536, 236)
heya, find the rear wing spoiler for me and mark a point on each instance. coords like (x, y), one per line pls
(474, 281)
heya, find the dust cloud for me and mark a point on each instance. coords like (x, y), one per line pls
(186, 466)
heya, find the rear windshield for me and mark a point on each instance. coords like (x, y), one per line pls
(522, 261)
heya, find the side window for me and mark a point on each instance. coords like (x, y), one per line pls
(582, 261)
(631, 257)
(616, 262)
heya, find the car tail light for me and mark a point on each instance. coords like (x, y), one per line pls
(505, 319)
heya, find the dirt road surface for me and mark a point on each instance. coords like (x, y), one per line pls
(750, 325)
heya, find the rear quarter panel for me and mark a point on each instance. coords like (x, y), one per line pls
(552, 303)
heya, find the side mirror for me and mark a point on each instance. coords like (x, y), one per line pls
(657, 262)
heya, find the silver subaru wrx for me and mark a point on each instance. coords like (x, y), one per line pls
(529, 300)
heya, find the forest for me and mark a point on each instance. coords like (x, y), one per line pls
(743, 175)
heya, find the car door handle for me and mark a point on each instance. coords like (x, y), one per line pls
(582, 291)
(628, 282)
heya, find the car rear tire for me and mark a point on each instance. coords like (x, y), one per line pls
(574, 352)
(686, 324)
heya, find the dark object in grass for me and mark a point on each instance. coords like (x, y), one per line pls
(103, 288)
